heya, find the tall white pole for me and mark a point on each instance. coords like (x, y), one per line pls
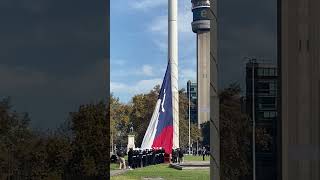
(173, 59)
(253, 125)
(189, 115)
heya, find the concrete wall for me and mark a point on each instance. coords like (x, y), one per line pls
(300, 82)
(203, 76)
(214, 100)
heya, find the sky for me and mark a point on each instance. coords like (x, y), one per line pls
(139, 46)
(53, 52)
(246, 28)
(52, 57)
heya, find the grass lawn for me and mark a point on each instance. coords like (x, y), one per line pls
(114, 166)
(163, 171)
(195, 158)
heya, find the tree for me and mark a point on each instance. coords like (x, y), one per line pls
(119, 120)
(90, 146)
(142, 109)
(235, 135)
(15, 137)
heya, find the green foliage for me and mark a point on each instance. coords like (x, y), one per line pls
(139, 112)
(79, 147)
(184, 121)
(235, 135)
(119, 120)
(142, 109)
(90, 146)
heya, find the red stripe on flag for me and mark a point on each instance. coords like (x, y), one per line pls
(164, 139)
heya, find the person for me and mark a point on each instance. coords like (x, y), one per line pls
(113, 158)
(122, 162)
(203, 153)
(135, 159)
(180, 154)
(130, 158)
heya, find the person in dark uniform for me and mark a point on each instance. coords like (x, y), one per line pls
(113, 158)
(203, 153)
(173, 155)
(140, 158)
(134, 159)
(180, 154)
(130, 158)
(122, 162)
(144, 158)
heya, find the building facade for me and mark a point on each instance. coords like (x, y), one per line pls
(192, 92)
(214, 97)
(299, 61)
(265, 100)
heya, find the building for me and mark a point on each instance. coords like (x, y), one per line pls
(266, 95)
(201, 26)
(214, 98)
(299, 63)
(192, 89)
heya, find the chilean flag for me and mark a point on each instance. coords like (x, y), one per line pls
(160, 130)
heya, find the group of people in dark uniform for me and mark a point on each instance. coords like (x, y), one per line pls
(138, 158)
(143, 158)
(177, 155)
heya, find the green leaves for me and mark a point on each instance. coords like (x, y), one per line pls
(78, 147)
(235, 135)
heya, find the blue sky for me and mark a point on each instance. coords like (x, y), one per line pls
(138, 54)
(52, 56)
(246, 28)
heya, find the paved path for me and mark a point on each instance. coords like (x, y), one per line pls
(118, 172)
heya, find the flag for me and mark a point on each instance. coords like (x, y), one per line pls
(160, 130)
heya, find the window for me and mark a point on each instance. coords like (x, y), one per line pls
(266, 102)
(269, 114)
(263, 85)
(271, 72)
(260, 72)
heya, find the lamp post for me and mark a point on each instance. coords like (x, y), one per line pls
(253, 62)
(189, 115)
(253, 122)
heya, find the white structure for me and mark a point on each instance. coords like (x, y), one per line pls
(130, 142)
(173, 59)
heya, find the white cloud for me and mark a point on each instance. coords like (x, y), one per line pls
(148, 4)
(124, 72)
(142, 86)
(119, 62)
(158, 28)
(157, 32)
(147, 70)
(118, 87)
(159, 25)
(188, 74)
(146, 85)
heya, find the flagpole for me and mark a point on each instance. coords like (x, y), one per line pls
(173, 60)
